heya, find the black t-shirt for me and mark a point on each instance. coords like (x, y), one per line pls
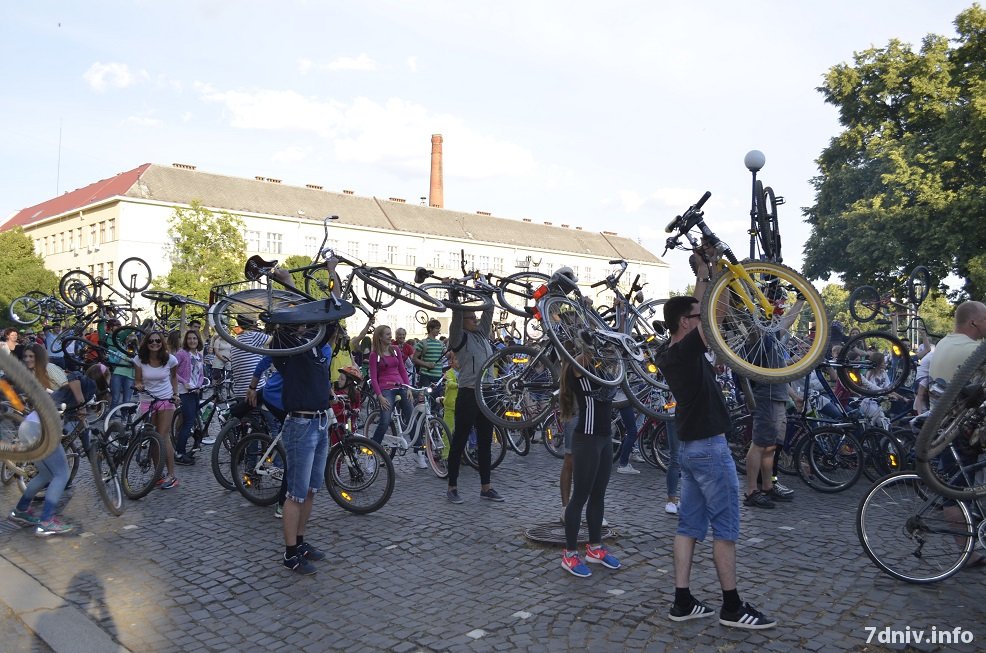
(595, 405)
(306, 377)
(701, 410)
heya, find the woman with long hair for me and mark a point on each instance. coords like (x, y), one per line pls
(156, 373)
(53, 471)
(387, 374)
(191, 378)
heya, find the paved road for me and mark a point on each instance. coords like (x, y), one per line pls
(197, 570)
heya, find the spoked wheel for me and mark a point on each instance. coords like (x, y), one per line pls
(782, 344)
(142, 463)
(882, 453)
(127, 339)
(77, 288)
(375, 296)
(515, 293)
(437, 440)
(767, 222)
(652, 401)
(647, 326)
(574, 334)
(517, 386)
(829, 460)
(23, 442)
(222, 451)
(401, 290)
(553, 435)
(458, 297)
(498, 449)
(908, 532)
(258, 469)
(134, 274)
(518, 441)
(864, 303)
(249, 309)
(359, 475)
(25, 310)
(869, 355)
(106, 480)
(918, 285)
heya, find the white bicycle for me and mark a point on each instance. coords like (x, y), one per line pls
(422, 430)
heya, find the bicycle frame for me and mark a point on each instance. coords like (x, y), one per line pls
(415, 426)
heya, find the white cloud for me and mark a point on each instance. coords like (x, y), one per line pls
(292, 154)
(305, 66)
(143, 121)
(412, 64)
(118, 75)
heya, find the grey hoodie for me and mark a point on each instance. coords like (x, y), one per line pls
(472, 348)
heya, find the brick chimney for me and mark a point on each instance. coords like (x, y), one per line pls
(437, 189)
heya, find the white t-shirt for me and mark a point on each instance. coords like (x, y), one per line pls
(951, 352)
(157, 380)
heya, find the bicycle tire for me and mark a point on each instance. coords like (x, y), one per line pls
(498, 450)
(517, 442)
(646, 398)
(437, 438)
(918, 285)
(375, 296)
(553, 435)
(221, 456)
(25, 310)
(852, 367)
(569, 326)
(901, 527)
(106, 480)
(469, 299)
(119, 414)
(7, 472)
(742, 340)
(127, 339)
(251, 305)
(77, 288)
(134, 274)
(864, 303)
(882, 453)
(774, 227)
(830, 460)
(516, 387)
(73, 455)
(401, 290)
(515, 292)
(19, 387)
(353, 475)
(954, 416)
(258, 480)
(142, 463)
(765, 233)
(641, 325)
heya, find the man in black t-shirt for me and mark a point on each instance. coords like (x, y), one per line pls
(709, 485)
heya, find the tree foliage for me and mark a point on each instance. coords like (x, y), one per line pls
(904, 183)
(206, 249)
(21, 270)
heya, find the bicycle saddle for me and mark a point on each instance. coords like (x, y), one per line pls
(255, 266)
(420, 274)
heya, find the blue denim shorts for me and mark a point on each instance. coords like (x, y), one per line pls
(306, 446)
(709, 490)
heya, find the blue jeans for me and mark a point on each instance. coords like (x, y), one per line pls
(306, 446)
(674, 464)
(709, 490)
(121, 389)
(189, 412)
(629, 418)
(386, 416)
(52, 471)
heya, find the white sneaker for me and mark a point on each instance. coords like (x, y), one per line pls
(626, 469)
(422, 460)
(605, 523)
(671, 508)
(209, 440)
(636, 457)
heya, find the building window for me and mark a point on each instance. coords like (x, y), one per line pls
(353, 248)
(273, 243)
(392, 254)
(102, 231)
(71, 239)
(92, 269)
(453, 261)
(484, 264)
(310, 246)
(373, 252)
(410, 257)
(78, 238)
(332, 244)
(498, 264)
(111, 230)
(252, 239)
(436, 261)
(109, 270)
(92, 237)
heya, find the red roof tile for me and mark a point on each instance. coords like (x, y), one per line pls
(76, 199)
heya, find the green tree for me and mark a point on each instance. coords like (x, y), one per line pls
(206, 249)
(904, 183)
(21, 270)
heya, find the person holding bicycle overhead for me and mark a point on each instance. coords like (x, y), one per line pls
(709, 484)
(468, 337)
(156, 372)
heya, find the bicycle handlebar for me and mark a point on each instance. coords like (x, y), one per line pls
(686, 217)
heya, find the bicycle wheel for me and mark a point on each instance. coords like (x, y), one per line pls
(646, 326)
(515, 293)
(918, 285)
(655, 446)
(25, 394)
(222, 451)
(776, 348)
(864, 303)
(517, 442)
(765, 221)
(142, 463)
(106, 480)
(882, 453)
(134, 274)
(391, 285)
(647, 398)
(257, 469)
(553, 435)
(250, 309)
(376, 297)
(830, 460)
(575, 336)
(466, 299)
(903, 527)
(359, 475)
(868, 355)
(127, 339)
(73, 455)
(955, 419)
(77, 288)
(25, 310)
(437, 438)
(517, 386)
(498, 450)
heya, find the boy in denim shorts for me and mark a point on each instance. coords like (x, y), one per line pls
(709, 485)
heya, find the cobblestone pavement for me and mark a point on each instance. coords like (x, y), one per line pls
(197, 569)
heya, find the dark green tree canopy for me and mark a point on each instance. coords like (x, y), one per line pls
(904, 183)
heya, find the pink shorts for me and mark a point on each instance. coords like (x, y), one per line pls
(160, 404)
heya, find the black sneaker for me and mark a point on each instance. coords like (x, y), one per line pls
(308, 552)
(758, 500)
(746, 617)
(453, 496)
(490, 495)
(776, 495)
(695, 611)
(300, 565)
(184, 459)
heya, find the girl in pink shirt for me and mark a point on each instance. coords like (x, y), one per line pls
(387, 374)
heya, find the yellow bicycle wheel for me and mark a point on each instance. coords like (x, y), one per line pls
(775, 344)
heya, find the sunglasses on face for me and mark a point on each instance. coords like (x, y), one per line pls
(154, 342)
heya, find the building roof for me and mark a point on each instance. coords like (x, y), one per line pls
(181, 184)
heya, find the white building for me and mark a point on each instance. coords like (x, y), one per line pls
(96, 227)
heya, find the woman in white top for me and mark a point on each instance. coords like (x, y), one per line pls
(156, 375)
